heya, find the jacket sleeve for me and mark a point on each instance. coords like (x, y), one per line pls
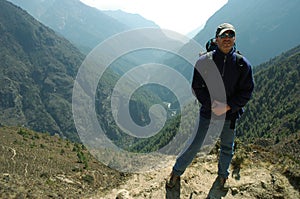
(199, 87)
(244, 89)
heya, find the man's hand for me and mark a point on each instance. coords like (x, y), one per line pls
(219, 108)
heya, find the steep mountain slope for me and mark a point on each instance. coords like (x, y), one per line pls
(83, 25)
(272, 117)
(274, 111)
(36, 165)
(264, 28)
(131, 20)
(38, 69)
(37, 72)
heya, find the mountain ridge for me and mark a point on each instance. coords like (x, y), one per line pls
(130, 19)
(37, 72)
(81, 24)
(62, 15)
(38, 69)
(259, 28)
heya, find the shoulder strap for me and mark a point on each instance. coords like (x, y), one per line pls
(240, 63)
(209, 54)
(239, 59)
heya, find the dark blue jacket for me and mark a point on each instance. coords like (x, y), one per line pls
(237, 78)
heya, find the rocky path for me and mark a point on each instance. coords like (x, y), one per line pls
(254, 180)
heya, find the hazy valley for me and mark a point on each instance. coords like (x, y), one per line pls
(41, 153)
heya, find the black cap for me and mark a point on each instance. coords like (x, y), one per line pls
(223, 28)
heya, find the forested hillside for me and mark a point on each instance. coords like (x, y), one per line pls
(273, 111)
(270, 118)
(37, 72)
(38, 69)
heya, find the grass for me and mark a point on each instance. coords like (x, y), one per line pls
(39, 165)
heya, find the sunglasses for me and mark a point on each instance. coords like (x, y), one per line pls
(229, 35)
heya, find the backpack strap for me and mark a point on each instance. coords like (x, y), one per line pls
(239, 59)
(209, 55)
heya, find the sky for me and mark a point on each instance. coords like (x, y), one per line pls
(182, 16)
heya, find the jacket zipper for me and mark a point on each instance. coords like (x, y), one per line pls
(224, 65)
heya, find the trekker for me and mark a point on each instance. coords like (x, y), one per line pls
(237, 77)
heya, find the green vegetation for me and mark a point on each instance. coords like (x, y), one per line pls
(273, 111)
(37, 71)
(37, 79)
(37, 75)
(36, 165)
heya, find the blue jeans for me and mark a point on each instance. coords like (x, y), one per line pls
(226, 151)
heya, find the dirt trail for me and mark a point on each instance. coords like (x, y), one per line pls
(254, 180)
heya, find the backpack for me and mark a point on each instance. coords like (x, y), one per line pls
(211, 45)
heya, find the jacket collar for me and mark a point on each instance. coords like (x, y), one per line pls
(221, 54)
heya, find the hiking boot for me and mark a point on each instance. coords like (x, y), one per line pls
(222, 183)
(172, 180)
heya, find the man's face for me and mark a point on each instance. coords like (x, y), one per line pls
(226, 41)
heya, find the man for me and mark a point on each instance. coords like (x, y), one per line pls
(238, 82)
